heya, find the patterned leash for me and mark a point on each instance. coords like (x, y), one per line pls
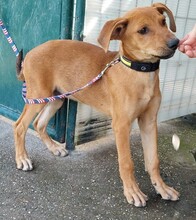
(52, 98)
(9, 39)
(65, 95)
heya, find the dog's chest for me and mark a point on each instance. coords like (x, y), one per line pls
(148, 86)
(133, 88)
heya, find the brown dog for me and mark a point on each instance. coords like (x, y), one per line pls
(124, 93)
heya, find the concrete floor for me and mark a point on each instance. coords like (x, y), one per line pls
(86, 186)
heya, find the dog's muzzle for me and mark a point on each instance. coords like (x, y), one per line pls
(172, 45)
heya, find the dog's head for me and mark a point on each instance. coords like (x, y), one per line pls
(143, 33)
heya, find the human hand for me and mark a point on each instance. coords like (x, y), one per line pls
(188, 44)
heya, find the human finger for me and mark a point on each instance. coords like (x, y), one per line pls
(190, 53)
(181, 48)
(183, 40)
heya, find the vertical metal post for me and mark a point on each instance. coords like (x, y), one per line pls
(67, 14)
(72, 112)
(79, 19)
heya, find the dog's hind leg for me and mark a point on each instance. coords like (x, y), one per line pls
(40, 124)
(20, 128)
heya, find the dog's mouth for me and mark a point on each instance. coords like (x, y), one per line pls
(167, 56)
(172, 45)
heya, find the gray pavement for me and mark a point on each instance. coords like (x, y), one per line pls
(85, 185)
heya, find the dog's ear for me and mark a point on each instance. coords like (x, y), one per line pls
(163, 8)
(112, 30)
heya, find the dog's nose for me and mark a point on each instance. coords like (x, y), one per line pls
(173, 43)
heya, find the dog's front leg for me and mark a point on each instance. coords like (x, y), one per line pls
(148, 128)
(121, 127)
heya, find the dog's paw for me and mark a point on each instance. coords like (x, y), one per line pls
(24, 164)
(61, 152)
(135, 196)
(166, 192)
(58, 149)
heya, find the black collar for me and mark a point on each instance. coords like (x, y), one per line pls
(139, 66)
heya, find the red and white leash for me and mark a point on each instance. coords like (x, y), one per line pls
(67, 94)
(52, 98)
(9, 39)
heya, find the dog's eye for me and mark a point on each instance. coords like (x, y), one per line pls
(143, 31)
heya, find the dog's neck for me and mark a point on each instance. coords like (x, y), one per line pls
(140, 66)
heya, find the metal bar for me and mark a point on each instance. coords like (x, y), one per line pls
(79, 19)
(72, 109)
(71, 124)
(67, 14)
(66, 26)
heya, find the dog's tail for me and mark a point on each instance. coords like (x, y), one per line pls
(19, 61)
